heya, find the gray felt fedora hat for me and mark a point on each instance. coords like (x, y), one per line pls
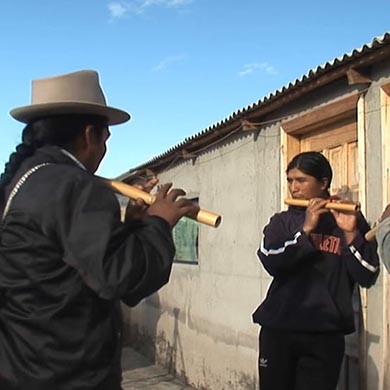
(73, 93)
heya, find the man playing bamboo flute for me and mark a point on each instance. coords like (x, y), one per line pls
(66, 259)
(315, 257)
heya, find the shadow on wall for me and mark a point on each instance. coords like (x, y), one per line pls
(350, 373)
(140, 326)
(358, 371)
(170, 349)
(373, 376)
(140, 332)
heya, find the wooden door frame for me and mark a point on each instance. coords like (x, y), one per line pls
(385, 137)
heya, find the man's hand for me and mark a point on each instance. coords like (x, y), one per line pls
(137, 208)
(170, 206)
(346, 221)
(314, 210)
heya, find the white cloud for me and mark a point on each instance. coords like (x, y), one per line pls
(118, 10)
(177, 3)
(166, 62)
(162, 3)
(257, 66)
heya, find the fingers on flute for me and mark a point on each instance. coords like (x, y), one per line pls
(136, 209)
(188, 207)
(139, 203)
(336, 213)
(191, 210)
(317, 204)
(175, 193)
(150, 184)
(163, 190)
(171, 194)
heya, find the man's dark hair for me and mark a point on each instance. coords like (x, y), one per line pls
(312, 163)
(58, 130)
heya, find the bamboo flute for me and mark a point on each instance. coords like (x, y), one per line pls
(329, 206)
(207, 217)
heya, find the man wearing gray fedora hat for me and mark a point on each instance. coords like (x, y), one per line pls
(66, 258)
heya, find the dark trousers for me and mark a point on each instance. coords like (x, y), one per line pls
(299, 360)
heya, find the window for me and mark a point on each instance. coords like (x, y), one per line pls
(185, 237)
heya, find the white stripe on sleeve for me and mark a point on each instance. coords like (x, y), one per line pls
(277, 251)
(363, 262)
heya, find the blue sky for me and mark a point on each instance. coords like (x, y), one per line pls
(178, 66)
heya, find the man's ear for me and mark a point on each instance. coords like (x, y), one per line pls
(324, 183)
(81, 141)
(89, 136)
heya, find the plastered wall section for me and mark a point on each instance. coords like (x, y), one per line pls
(200, 323)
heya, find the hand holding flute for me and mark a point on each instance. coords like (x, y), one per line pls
(167, 203)
(345, 219)
(342, 206)
(136, 207)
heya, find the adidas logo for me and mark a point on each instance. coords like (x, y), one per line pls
(263, 362)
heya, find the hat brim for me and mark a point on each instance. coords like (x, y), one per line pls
(27, 114)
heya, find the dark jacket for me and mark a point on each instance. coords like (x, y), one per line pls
(66, 262)
(314, 277)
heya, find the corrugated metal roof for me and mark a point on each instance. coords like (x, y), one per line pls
(311, 75)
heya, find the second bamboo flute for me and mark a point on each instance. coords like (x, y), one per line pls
(203, 216)
(329, 206)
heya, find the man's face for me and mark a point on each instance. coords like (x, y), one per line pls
(303, 186)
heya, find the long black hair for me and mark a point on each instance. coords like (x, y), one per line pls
(58, 130)
(314, 164)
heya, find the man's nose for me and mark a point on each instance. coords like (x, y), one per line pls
(294, 186)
